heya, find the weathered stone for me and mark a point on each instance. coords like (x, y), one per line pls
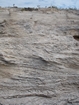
(39, 57)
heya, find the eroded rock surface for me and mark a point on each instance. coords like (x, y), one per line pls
(39, 57)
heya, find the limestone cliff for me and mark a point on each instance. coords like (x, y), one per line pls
(39, 57)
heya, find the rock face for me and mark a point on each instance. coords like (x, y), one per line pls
(39, 57)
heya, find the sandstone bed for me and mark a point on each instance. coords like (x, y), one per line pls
(39, 57)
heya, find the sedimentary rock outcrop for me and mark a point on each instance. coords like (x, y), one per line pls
(39, 57)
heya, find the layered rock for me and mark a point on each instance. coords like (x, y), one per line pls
(39, 57)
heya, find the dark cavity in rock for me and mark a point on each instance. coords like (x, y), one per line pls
(76, 37)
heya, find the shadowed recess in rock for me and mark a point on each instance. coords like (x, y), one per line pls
(76, 37)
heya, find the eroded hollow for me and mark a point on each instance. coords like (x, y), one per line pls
(76, 37)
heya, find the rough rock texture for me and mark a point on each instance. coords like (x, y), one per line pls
(39, 57)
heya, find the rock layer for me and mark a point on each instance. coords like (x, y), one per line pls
(39, 57)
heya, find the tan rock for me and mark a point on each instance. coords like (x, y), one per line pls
(39, 57)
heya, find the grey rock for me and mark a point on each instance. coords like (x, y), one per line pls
(39, 57)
